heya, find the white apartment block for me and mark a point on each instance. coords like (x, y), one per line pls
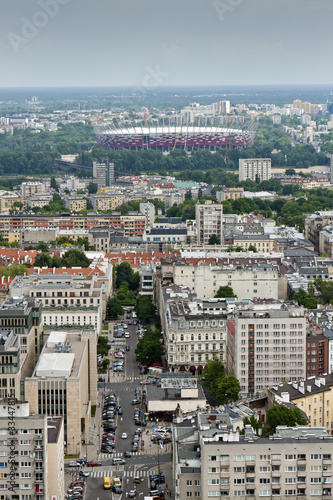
(148, 210)
(253, 168)
(194, 330)
(205, 280)
(209, 220)
(270, 345)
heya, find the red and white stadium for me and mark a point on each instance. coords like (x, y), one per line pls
(176, 133)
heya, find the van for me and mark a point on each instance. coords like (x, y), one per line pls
(99, 358)
(107, 483)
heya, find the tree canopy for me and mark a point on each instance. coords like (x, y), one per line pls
(150, 348)
(224, 291)
(282, 415)
(114, 308)
(144, 308)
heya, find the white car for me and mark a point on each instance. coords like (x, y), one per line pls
(124, 435)
(127, 335)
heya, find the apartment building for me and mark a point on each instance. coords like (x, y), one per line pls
(108, 201)
(38, 474)
(75, 203)
(248, 282)
(64, 383)
(148, 210)
(229, 194)
(255, 168)
(262, 242)
(209, 221)
(69, 301)
(7, 201)
(29, 189)
(314, 224)
(23, 317)
(270, 344)
(210, 459)
(317, 355)
(314, 396)
(39, 200)
(194, 329)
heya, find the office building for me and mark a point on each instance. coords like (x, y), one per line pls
(255, 169)
(103, 173)
(64, 383)
(209, 221)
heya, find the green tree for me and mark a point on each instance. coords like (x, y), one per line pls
(43, 260)
(13, 270)
(105, 363)
(255, 424)
(114, 308)
(75, 258)
(42, 246)
(150, 348)
(124, 272)
(212, 374)
(54, 184)
(144, 308)
(252, 248)
(281, 415)
(92, 187)
(214, 240)
(224, 291)
(228, 389)
(290, 171)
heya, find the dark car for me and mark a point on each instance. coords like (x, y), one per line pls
(101, 379)
(94, 463)
(134, 448)
(127, 348)
(81, 461)
(127, 454)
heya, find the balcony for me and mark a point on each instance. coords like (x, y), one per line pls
(224, 487)
(276, 461)
(301, 480)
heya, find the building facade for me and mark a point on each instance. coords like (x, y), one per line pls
(255, 168)
(209, 221)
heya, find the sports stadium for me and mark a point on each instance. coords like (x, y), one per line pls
(177, 133)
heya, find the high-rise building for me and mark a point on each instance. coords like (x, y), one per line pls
(255, 168)
(103, 173)
(270, 345)
(209, 218)
(32, 448)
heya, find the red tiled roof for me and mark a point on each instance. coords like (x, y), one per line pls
(231, 326)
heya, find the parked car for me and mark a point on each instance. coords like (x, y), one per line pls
(84, 473)
(94, 463)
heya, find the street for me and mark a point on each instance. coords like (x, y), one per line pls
(149, 455)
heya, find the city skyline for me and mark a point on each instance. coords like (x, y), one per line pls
(151, 44)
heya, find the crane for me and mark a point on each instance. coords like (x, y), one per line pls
(181, 128)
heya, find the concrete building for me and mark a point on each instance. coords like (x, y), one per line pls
(148, 210)
(317, 355)
(314, 396)
(212, 460)
(108, 201)
(75, 203)
(248, 282)
(23, 317)
(253, 168)
(69, 301)
(7, 201)
(209, 221)
(314, 224)
(39, 200)
(229, 194)
(270, 344)
(29, 189)
(38, 456)
(10, 364)
(36, 235)
(64, 383)
(103, 173)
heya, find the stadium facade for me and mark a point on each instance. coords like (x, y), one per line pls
(175, 133)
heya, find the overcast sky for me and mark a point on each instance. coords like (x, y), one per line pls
(165, 42)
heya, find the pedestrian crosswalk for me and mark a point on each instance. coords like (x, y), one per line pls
(125, 473)
(119, 455)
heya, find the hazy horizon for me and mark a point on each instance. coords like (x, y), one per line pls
(152, 43)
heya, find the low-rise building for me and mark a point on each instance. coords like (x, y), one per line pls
(229, 194)
(108, 201)
(313, 395)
